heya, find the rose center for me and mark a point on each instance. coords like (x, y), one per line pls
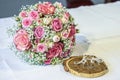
(41, 47)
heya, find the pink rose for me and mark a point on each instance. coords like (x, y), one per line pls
(46, 8)
(55, 51)
(42, 9)
(65, 17)
(21, 40)
(64, 34)
(48, 61)
(72, 41)
(26, 22)
(34, 15)
(66, 53)
(57, 25)
(39, 21)
(41, 47)
(39, 32)
(72, 31)
(36, 41)
(23, 14)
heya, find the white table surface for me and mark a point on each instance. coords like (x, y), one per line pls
(100, 24)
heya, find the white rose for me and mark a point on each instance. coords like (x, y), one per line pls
(56, 38)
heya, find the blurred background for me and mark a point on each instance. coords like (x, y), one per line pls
(9, 8)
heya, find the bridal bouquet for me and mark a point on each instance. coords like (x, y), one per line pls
(45, 33)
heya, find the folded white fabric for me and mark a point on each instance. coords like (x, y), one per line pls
(5, 23)
(98, 21)
(5, 72)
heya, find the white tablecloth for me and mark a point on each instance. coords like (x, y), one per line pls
(98, 21)
(99, 24)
